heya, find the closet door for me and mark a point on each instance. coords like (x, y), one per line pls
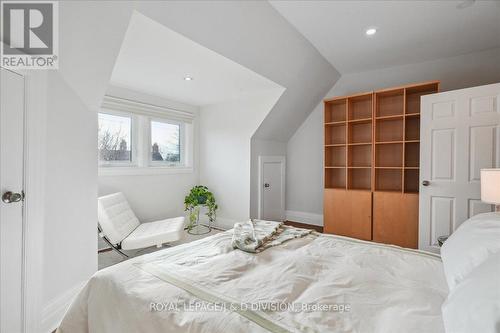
(348, 213)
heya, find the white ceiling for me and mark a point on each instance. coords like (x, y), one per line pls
(154, 59)
(408, 31)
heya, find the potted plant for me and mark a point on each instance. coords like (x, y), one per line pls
(197, 197)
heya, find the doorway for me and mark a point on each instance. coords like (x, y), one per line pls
(272, 188)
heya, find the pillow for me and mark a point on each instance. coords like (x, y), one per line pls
(470, 245)
(474, 305)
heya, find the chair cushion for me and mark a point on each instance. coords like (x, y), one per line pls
(154, 233)
(116, 218)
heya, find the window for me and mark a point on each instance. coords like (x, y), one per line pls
(166, 143)
(114, 139)
(144, 142)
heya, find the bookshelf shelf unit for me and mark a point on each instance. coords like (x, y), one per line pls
(348, 142)
(372, 144)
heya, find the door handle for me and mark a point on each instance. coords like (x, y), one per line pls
(11, 197)
(426, 183)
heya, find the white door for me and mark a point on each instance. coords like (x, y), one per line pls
(460, 135)
(11, 204)
(272, 188)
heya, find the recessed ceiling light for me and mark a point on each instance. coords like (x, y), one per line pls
(371, 31)
(188, 78)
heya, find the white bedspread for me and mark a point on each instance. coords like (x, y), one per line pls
(379, 288)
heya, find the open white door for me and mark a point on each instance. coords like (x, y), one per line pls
(272, 188)
(460, 135)
(12, 195)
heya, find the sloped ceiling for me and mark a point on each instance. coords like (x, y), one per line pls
(170, 58)
(251, 33)
(408, 31)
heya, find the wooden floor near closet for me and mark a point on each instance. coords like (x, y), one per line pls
(305, 226)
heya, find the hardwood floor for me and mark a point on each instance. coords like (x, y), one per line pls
(305, 226)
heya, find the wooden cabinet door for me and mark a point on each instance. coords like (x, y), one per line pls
(348, 213)
(395, 218)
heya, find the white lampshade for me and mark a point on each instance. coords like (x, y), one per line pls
(490, 186)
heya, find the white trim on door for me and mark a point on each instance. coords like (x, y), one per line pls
(271, 159)
(34, 186)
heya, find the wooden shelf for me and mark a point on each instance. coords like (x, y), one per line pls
(389, 130)
(412, 154)
(335, 178)
(388, 142)
(411, 179)
(335, 156)
(399, 116)
(359, 179)
(336, 110)
(359, 156)
(389, 155)
(365, 120)
(360, 132)
(412, 128)
(409, 115)
(335, 123)
(360, 144)
(372, 159)
(336, 135)
(389, 103)
(414, 93)
(388, 179)
(360, 107)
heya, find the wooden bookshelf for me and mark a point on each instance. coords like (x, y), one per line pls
(372, 144)
(397, 129)
(335, 156)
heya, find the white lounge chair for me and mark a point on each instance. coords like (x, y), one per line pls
(121, 229)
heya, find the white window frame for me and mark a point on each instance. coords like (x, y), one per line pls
(182, 142)
(134, 137)
(142, 114)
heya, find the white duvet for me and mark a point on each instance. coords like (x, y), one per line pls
(318, 283)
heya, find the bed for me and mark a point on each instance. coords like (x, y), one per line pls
(319, 283)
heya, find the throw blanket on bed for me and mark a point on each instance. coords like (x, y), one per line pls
(257, 235)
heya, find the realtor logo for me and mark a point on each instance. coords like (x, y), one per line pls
(29, 35)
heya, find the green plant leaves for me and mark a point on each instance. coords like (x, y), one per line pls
(200, 196)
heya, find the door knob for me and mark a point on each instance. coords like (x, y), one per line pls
(11, 197)
(426, 183)
(267, 185)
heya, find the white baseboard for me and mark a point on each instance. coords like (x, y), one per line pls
(304, 217)
(54, 311)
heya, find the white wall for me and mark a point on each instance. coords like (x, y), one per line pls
(305, 150)
(70, 194)
(154, 197)
(226, 130)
